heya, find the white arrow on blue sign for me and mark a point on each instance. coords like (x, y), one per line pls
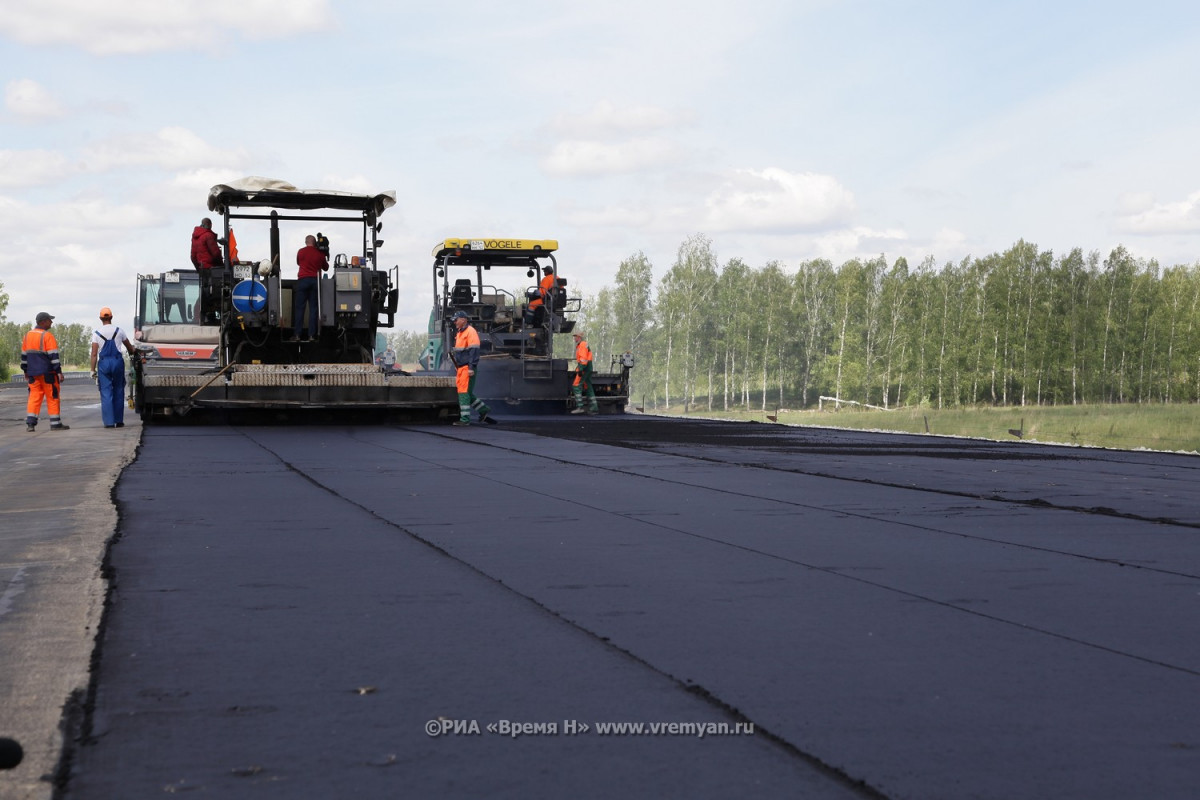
(249, 296)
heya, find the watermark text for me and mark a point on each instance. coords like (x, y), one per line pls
(571, 727)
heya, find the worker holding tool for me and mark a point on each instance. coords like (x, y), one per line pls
(465, 355)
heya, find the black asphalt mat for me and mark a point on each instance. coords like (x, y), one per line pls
(895, 616)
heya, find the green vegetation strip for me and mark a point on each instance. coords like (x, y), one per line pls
(1124, 427)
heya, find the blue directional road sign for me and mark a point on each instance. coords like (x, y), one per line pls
(249, 296)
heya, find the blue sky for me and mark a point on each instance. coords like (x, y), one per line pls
(782, 129)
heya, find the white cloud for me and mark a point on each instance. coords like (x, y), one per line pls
(186, 190)
(357, 184)
(858, 242)
(609, 217)
(606, 120)
(1132, 203)
(21, 169)
(69, 258)
(1139, 213)
(82, 219)
(777, 200)
(589, 158)
(171, 148)
(949, 245)
(146, 26)
(29, 100)
(197, 164)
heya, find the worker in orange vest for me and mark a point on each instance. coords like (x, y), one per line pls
(548, 282)
(583, 377)
(465, 355)
(43, 373)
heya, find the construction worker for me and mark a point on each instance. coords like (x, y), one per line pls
(43, 372)
(312, 263)
(583, 377)
(465, 355)
(108, 368)
(206, 257)
(206, 253)
(548, 282)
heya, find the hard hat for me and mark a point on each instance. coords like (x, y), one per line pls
(105, 312)
(43, 316)
(459, 315)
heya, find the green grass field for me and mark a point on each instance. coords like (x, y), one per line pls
(1123, 427)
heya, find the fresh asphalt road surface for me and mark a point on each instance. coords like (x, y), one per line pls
(294, 610)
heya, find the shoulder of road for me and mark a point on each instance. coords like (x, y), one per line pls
(58, 519)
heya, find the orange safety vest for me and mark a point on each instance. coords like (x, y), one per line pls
(39, 353)
(583, 353)
(467, 337)
(546, 284)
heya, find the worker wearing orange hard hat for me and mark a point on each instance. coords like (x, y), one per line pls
(108, 368)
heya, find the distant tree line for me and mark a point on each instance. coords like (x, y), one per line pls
(407, 345)
(74, 346)
(1022, 327)
(74, 342)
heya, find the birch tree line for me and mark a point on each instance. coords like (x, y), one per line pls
(74, 341)
(1021, 327)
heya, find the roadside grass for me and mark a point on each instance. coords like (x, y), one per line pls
(1150, 426)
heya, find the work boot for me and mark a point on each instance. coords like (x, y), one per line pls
(461, 423)
(577, 410)
(60, 427)
(30, 428)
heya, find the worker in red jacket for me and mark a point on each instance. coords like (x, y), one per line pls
(43, 373)
(583, 377)
(305, 294)
(206, 252)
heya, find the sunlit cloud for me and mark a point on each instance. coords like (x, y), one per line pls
(22, 169)
(148, 26)
(606, 217)
(773, 199)
(1140, 213)
(78, 219)
(171, 148)
(590, 158)
(606, 120)
(30, 101)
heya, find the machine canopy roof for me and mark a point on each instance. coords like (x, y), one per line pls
(272, 193)
(484, 249)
